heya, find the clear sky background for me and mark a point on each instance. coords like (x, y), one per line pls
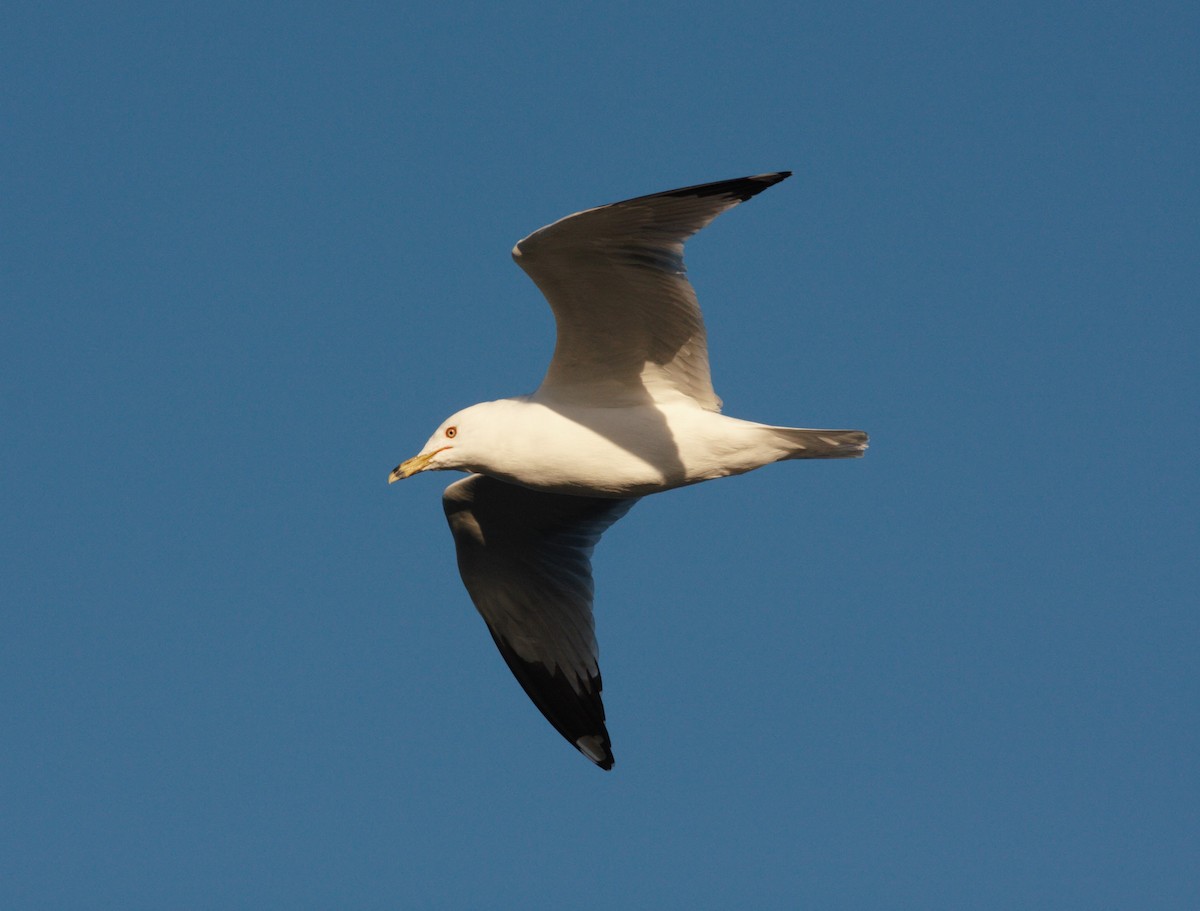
(253, 253)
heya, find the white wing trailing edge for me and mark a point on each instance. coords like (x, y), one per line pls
(629, 326)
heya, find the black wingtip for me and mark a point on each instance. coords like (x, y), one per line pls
(598, 749)
(740, 187)
(577, 715)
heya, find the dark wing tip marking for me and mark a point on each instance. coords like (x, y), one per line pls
(740, 188)
(578, 716)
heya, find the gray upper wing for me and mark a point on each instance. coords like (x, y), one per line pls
(525, 558)
(629, 326)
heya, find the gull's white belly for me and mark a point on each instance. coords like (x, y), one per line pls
(620, 452)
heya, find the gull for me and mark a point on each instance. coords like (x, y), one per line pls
(626, 409)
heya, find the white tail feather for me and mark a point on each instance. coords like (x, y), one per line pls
(821, 444)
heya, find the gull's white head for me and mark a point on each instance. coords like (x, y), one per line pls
(457, 443)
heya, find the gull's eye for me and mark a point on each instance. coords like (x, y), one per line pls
(451, 432)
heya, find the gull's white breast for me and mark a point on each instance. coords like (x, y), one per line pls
(619, 451)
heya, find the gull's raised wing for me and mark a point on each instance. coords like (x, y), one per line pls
(629, 327)
(525, 557)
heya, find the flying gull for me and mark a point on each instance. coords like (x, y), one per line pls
(626, 409)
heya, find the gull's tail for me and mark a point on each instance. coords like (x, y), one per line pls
(801, 443)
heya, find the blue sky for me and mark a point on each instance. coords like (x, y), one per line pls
(254, 253)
